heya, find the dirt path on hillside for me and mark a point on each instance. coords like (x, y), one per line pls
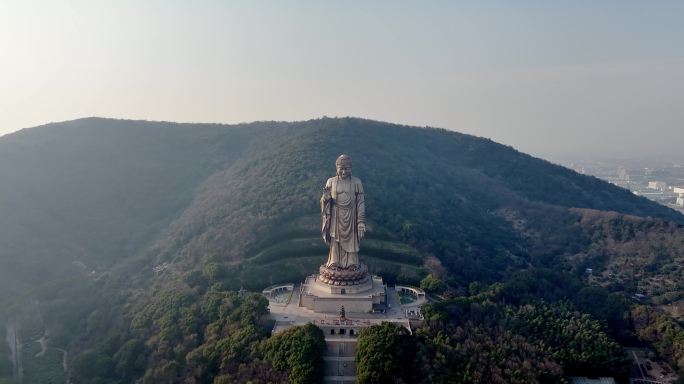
(43, 343)
(11, 338)
(14, 342)
(65, 355)
(44, 347)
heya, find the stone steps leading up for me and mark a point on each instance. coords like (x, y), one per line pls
(339, 379)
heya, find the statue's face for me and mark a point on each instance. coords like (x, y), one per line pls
(344, 170)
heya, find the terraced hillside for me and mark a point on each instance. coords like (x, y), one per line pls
(296, 249)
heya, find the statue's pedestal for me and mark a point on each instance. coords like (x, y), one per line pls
(355, 289)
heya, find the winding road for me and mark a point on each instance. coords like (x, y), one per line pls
(13, 340)
(65, 355)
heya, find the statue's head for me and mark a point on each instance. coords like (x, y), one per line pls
(344, 166)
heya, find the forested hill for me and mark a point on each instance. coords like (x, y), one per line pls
(88, 193)
(128, 241)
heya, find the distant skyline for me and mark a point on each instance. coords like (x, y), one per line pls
(553, 79)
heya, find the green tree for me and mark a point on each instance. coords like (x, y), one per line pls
(662, 332)
(384, 354)
(431, 284)
(574, 339)
(131, 359)
(213, 271)
(91, 367)
(298, 351)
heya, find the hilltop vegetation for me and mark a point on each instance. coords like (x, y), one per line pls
(91, 193)
(91, 206)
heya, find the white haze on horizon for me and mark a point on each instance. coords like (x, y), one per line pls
(550, 79)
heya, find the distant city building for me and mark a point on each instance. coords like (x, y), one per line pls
(680, 198)
(659, 185)
(622, 174)
(667, 188)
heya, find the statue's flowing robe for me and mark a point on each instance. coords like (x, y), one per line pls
(343, 214)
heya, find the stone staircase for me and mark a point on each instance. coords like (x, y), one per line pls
(340, 364)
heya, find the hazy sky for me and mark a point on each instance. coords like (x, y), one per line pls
(551, 77)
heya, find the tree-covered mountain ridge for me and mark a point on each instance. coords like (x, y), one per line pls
(130, 240)
(95, 191)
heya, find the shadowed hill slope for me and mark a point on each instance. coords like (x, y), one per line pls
(96, 191)
(87, 193)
